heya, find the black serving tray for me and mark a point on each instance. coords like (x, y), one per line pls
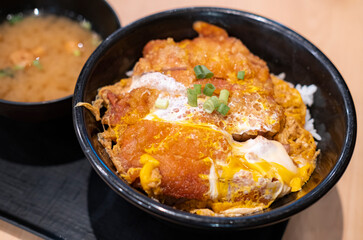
(48, 187)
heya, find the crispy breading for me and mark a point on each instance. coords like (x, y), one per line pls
(191, 164)
(224, 56)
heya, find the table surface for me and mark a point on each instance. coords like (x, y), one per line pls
(335, 27)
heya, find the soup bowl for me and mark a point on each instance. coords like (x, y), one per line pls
(104, 21)
(284, 51)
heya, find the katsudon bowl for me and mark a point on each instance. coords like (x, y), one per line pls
(103, 20)
(284, 51)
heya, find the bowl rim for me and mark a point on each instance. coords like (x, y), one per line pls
(67, 97)
(187, 219)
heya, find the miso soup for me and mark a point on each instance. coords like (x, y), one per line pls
(42, 56)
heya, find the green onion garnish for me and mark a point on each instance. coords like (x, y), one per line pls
(86, 25)
(18, 67)
(208, 74)
(211, 104)
(37, 64)
(192, 97)
(223, 96)
(202, 71)
(12, 19)
(223, 109)
(6, 72)
(241, 75)
(198, 72)
(77, 52)
(198, 88)
(162, 103)
(209, 89)
(208, 106)
(215, 101)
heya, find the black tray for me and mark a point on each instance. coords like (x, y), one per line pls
(48, 187)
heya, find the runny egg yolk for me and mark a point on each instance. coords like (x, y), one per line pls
(268, 159)
(260, 157)
(149, 175)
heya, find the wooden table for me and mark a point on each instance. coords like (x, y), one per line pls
(336, 28)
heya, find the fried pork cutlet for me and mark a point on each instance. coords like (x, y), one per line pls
(206, 163)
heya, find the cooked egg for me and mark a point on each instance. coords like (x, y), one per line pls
(203, 161)
(249, 161)
(180, 111)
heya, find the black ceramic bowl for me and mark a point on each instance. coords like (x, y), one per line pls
(104, 21)
(283, 50)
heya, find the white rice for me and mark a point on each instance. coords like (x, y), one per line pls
(129, 73)
(309, 125)
(307, 93)
(281, 76)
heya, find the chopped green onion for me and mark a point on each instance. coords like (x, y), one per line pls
(192, 97)
(162, 103)
(223, 96)
(223, 109)
(202, 71)
(215, 101)
(37, 64)
(209, 89)
(198, 88)
(18, 67)
(6, 72)
(208, 74)
(241, 75)
(86, 25)
(12, 19)
(211, 104)
(77, 52)
(198, 72)
(208, 106)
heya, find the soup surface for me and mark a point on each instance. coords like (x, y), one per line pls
(42, 56)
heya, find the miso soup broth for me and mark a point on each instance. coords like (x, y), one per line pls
(42, 56)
